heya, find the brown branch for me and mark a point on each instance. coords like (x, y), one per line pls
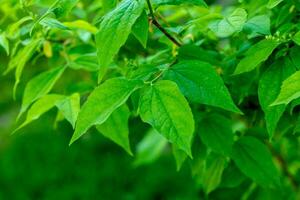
(157, 24)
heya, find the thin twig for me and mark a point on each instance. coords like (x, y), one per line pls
(157, 24)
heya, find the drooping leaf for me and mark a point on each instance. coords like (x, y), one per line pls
(290, 90)
(40, 86)
(213, 174)
(216, 133)
(105, 99)
(40, 107)
(116, 127)
(254, 159)
(229, 25)
(268, 90)
(141, 28)
(114, 30)
(257, 54)
(4, 43)
(179, 155)
(200, 83)
(70, 107)
(150, 148)
(159, 105)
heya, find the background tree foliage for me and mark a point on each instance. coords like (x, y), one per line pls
(210, 88)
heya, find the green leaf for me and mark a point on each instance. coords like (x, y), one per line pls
(4, 43)
(268, 90)
(259, 25)
(116, 127)
(25, 55)
(40, 107)
(87, 62)
(296, 38)
(150, 148)
(141, 28)
(70, 107)
(178, 2)
(213, 174)
(179, 155)
(114, 31)
(216, 133)
(102, 102)
(53, 23)
(257, 54)
(254, 159)
(273, 3)
(63, 7)
(200, 83)
(229, 25)
(40, 86)
(82, 25)
(290, 90)
(159, 105)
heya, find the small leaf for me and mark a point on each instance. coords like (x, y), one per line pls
(53, 23)
(257, 54)
(200, 83)
(25, 55)
(254, 159)
(116, 127)
(259, 25)
(296, 38)
(231, 24)
(150, 148)
(40, 86)
(140, 29)
(268, 90)
(178, 2)
(216, 133)
(159, 106)
(62, 7)
(70, 107)
(180, 156)
(273, 3)
(114, 31)
(290, 90)
(4, 43)
(81, 24)
(213, 174)
(105, 99)
(39, 108)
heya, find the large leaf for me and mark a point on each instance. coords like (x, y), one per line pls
(40, 107)
(257, 54)
(40, 86)
(159, 106)
(102, 102)
(258, 25)
(268, 90)
(231, 24)
(216, 133)
(70, 107)
(254, 159)
(114, 30)
(116, 127)
(200, 83)
(178, 2)
(290, 90)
